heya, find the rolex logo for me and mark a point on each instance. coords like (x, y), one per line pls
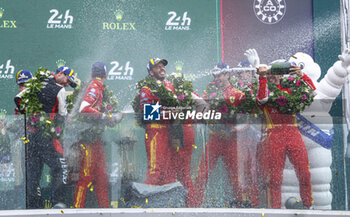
(178, 66)
(118, 14)
(6, 24)
(118, 25)
(60, 63)
(1, 12)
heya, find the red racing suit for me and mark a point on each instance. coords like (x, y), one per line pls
(283, 139)
(92, 157)
(224, 145)
(181, 159)
(156, 141)
(248, 138)
(247, 149)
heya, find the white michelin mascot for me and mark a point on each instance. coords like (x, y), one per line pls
(315, 123)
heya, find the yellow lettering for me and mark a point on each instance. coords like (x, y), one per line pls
(6, 24)
(105, 25)
(13, 23)
(125, 25)
(112, 26)
(132, 27)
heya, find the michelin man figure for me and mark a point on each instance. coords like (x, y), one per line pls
(318, 124)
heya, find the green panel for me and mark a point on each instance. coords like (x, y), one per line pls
(96, 35)
(327, 47)
(139, 33)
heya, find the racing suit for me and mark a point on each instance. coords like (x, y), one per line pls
(156, 141)
(92, 156)
(42, 149)
(181, 160)
(248, 129)
(248, 137)
(283, 139)
(224, 145)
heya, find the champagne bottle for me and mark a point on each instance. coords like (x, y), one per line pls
(280, 68)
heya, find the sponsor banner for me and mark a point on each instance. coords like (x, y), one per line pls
(314, 133)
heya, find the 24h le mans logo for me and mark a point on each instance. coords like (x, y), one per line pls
(269, 11)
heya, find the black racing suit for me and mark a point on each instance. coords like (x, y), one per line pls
(43, 149)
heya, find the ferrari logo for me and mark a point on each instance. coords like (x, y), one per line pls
(232, 99)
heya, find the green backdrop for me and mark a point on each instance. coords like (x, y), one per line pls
(125, 34)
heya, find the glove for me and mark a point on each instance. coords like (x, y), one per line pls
(252, 57)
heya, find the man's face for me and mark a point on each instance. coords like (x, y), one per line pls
(158, 71)
(62, 79)
(246, 77)
(274, 78)
(221, 79)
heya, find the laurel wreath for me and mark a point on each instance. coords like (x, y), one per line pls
(33, 108)
(215, 98)
(182, 98)
(217, 101)
(109, 102)
(165, 97)
(247, 106)
(109, 105)
(301, 95)
(42, 121)
(183, 89)
(30, 101)
(71, 99)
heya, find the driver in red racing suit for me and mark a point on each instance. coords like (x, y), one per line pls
(92, 157)
(283, 140)
(166, 164)
(221, 144)
(156, 136)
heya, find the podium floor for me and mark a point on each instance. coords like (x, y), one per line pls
(176, 212)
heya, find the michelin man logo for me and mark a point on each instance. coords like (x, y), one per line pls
(151, 112)
(270, 11)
